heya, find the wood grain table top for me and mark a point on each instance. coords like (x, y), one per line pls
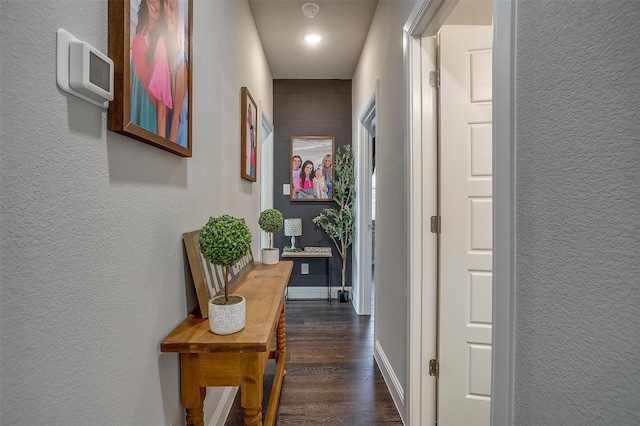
(263, 288)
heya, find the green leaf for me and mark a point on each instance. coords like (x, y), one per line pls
(339, 223)
(270, 220)
(224, 240)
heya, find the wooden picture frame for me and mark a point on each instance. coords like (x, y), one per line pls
(319, 152)
(153, 87)
(248, 136)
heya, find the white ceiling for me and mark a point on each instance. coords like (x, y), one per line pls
(344, 24)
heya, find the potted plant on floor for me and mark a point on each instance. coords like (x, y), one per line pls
(339, 223)
(223, 241)
(270, 221)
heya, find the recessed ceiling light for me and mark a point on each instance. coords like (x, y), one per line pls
(312, 38)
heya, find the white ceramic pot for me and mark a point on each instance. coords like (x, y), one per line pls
(270, 256)
(227, 319)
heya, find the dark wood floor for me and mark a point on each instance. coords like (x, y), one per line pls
(331, 376)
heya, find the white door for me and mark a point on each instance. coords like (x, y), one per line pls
(464, 384)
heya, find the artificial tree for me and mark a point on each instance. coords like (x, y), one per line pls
(339, 223)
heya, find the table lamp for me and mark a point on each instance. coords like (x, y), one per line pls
(293, 229)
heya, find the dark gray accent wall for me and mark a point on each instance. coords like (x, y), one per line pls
(308, 108)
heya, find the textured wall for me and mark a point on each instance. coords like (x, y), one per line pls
(308, 108)
(92, 265)
(382, 60)
(578, 206)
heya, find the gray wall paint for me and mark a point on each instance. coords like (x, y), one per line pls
(92, 265)
(578, 206)
(381, 62)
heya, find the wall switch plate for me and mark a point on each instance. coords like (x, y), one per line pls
(286, 189)
(304, 268)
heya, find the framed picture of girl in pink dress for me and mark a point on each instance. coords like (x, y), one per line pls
(150, 45)
(311, 168)
(248, 136)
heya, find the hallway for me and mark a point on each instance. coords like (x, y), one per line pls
(331, 375)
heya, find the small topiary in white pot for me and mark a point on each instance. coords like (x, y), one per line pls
(224, 241)
(270, 221)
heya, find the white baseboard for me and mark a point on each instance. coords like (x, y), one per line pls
(298, 293)
(224, 406)
(390, 378)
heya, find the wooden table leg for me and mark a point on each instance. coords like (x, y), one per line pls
(281, 344)
(251, 390)
(192, 394)
(280, 357)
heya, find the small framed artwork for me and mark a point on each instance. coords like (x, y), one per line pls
(311, 168)
(248, 136)
(150, 45)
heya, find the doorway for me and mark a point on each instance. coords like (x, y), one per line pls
(426, 263)
(265, 168)
(364, 242)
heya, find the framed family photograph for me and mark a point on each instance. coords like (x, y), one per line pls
(150, 45)
(248, 136)
(311, 168)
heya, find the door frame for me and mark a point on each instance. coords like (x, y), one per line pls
(362, 243)
(265, 167)
(425, 20)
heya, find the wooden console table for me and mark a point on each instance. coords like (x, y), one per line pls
(238, 359)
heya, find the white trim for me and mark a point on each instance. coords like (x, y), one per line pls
(425, 20)
(390, 377)
(504, 200)
(265, 168)
(427, 17)
(429, 241)
(414, 300)
(223, 408)
(362, 244)
(422, 27)
(423, 162)
(266, 127)
(306, 293)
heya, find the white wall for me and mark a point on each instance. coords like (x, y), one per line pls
(92, 264)
(382, 58)
(578, 206)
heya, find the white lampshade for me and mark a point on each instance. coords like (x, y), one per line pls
(293, 227)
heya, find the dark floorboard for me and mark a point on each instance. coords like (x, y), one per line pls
(331, 376)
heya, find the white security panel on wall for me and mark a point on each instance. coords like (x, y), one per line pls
(83, 70)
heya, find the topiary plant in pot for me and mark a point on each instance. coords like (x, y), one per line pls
(339, 223)
(223, 241)
(270, 221)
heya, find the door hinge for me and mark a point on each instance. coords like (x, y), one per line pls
(435, 224)
(434, 78)
(434, 368)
